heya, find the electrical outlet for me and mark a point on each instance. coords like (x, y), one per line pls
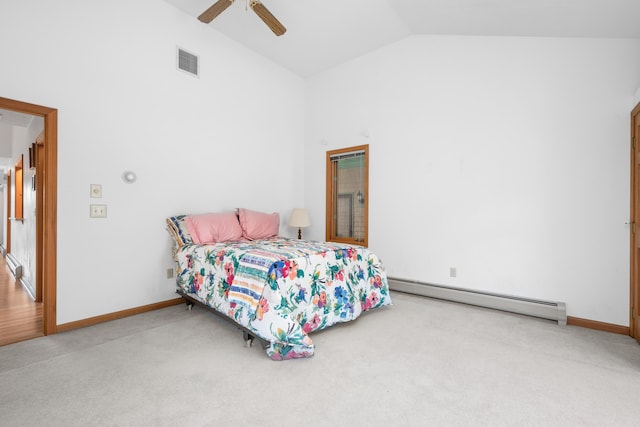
(453, 272)
(169, 273)
(97, 211)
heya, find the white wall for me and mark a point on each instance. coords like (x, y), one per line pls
(6, 137)
(23, 233)
(506, 158)
(228, 139)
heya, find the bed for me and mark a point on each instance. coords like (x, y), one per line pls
(274, 288)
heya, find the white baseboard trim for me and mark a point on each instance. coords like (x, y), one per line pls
(14, 266)
(26, 284)
(537, 308)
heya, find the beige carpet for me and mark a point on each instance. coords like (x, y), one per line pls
(421, 362)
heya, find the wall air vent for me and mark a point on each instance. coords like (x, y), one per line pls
(187, 62)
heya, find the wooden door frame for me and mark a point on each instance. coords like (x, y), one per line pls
(39, 182)
(47, 193)
(634, 294)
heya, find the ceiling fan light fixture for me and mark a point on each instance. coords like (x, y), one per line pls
(266, 16)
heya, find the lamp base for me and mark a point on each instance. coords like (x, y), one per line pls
(299, 233)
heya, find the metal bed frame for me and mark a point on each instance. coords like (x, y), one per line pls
(247, 335)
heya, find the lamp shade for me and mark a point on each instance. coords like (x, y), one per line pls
(299, 218)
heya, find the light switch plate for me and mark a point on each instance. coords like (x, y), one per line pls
(98, 211)
(96, 190)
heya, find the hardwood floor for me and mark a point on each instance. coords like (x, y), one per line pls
(20, 316)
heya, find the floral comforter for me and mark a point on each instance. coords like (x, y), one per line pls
(282, 289)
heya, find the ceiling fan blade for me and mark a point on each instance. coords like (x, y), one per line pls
(216, 9)
(266, 16)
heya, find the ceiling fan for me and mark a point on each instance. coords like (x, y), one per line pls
(263, 13)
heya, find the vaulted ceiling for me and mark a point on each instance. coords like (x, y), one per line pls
(324, 33)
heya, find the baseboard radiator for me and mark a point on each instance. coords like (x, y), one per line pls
(26, 284)
(14, 266)
(543, 309)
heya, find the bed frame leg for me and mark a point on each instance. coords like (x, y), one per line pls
(248, 338)
(246, 334)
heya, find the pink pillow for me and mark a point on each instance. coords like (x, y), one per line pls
(214, 227)
(258, 225)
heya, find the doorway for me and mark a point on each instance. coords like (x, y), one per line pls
(46, 207)
(634, 324)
